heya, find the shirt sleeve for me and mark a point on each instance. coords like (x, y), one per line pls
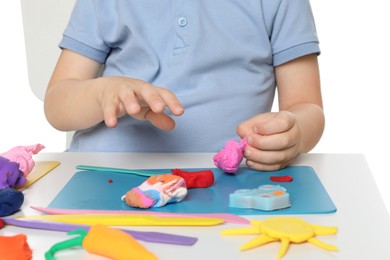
(293, 31)
(82, 34)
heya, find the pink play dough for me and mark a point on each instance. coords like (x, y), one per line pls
(230, 157)
(23, 156)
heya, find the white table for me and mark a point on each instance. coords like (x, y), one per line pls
(363, 222)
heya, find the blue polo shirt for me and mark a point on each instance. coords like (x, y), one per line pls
(217, 56)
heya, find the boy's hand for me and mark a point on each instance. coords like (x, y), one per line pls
(274, 140)
(139, 99)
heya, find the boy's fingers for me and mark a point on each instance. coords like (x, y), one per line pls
(269, 160)
(160, 120)
(266, 124)
(130, 102)
(172, 102)
(158, 99)
(143, 101)
(110, 116)
(252, 125)
(149, 97)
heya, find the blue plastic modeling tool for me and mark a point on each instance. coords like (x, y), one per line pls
(146, 173)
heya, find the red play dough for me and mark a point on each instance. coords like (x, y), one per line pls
(197, 179)
(286, 178)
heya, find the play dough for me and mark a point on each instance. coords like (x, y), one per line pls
(286, 230)
(157, 191)
(15, 247)
(195, 179)
(23, 156)
(230, 157)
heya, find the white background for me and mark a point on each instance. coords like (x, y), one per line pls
(355, 44)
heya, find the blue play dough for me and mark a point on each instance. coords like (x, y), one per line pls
(10, 201)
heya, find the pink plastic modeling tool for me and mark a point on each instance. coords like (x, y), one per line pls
(227, 217)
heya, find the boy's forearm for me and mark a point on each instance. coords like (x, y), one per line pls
(312, 121)
(73, 104)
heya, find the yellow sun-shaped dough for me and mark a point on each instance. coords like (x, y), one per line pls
(283, 229)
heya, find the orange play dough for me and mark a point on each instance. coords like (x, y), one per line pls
(15, 248)
(115, 244)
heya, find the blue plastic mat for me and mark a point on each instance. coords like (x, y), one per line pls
(103, 191)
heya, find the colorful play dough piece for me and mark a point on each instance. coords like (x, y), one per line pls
(23, 156)
(230, 157)
(195, 179)
(15, 247)
(157, 191)
(266, 197)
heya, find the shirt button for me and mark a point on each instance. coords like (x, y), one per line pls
(182, 21)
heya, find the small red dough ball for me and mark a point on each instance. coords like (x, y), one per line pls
(109, 181)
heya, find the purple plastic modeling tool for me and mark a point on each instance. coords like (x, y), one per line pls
(154, 237)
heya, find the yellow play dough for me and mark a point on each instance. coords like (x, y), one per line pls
(286, 230)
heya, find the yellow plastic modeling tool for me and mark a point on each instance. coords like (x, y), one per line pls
(126, 220)
(41, 169)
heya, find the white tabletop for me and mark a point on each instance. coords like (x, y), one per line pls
(363, 222)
